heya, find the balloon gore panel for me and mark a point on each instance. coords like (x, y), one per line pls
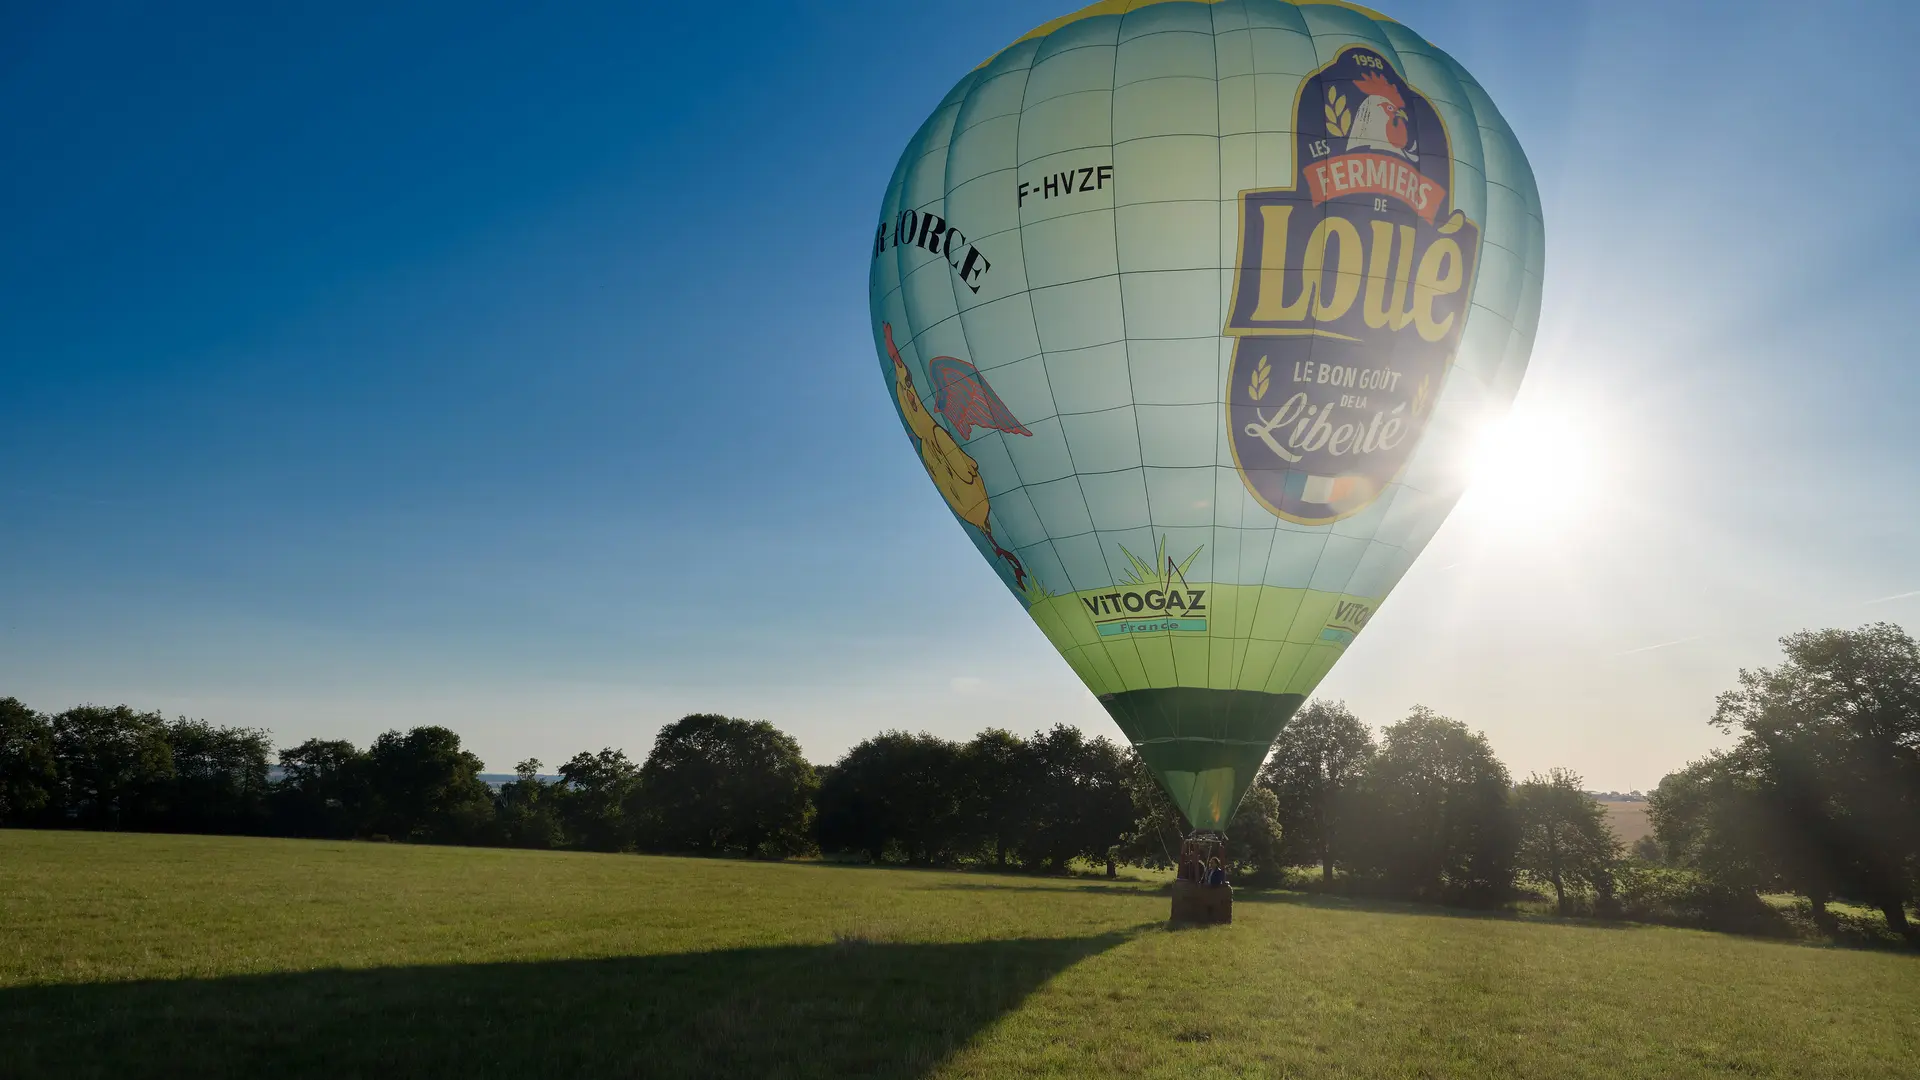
(1191, 311)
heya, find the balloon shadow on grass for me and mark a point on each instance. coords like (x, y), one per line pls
(853, 1008)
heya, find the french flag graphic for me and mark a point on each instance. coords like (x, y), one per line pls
(1333, 490)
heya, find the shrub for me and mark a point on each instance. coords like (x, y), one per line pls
(1689, 898)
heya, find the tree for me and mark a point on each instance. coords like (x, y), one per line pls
(425, 787)
(1317, 760)
(1104, 800)
(1000, 771)
(526, 809)
(219, 778)
(1710, 817)
(323, 790)
(29, 778)
(1079, 803)
(1434, 818)
(1564, 835)
(1648, 850)
(1830, 747)
(115, 766)
(895, 794)
(592, 800)
(720, 784)
(1255, 836)
(1716, 819)
(1158, 826)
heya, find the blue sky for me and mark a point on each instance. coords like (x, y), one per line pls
(510, 370)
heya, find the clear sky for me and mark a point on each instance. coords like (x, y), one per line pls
(371, 366)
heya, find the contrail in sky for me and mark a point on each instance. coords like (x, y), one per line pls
(1697, 637)
(1662, 645)
(1895, 596)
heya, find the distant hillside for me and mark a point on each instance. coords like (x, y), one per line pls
(1629, 819)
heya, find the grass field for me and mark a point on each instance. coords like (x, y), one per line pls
(126, 955)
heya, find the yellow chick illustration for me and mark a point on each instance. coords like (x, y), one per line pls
(965, 399)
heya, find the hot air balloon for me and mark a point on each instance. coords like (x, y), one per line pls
(1192, 310)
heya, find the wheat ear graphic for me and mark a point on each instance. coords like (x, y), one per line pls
(1338, 118)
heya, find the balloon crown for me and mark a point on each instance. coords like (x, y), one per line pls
(1373, 84)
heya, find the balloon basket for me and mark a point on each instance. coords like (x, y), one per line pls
(1195, 902)
(1199, 904)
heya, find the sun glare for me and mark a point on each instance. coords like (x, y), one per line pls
(1534, 474)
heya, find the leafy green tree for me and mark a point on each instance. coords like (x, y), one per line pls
(1564, 835)
(1648, 850)
(1724, 838)
(1316, 763)
(424, 787)
(115, 766)
(1255, 836)
(1153, 839)
(29, 777)
(1710, 817)
(593, 798)
(896, 794)
(1000, 771)
(1432, 816)
(219, 778)
(1829, 750)
(323, 791)
(724, 785)
(1105, 799)
(526, 810)
(1080, 806)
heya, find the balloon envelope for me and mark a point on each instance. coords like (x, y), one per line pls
(1191, 311)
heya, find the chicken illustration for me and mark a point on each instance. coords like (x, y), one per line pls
(1381, 122)
(965, 399)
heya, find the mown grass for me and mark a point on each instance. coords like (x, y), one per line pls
(124, 955)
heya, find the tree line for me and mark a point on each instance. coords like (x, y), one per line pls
(712, 784)
(1819, 796)
(725, 786)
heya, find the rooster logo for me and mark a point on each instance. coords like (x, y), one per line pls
(1381, 123)
(962, 396)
